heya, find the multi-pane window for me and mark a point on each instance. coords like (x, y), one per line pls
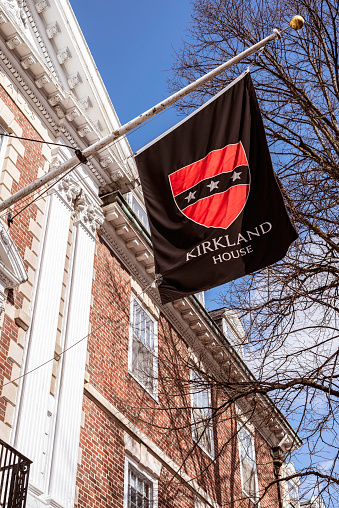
(139, 210)
(140, 489)
(202, 413)
(248, 464)
(293, 495)
(143, 347)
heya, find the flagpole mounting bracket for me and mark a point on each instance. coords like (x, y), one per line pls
(80, 156)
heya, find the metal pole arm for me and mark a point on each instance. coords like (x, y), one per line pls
(127, 127)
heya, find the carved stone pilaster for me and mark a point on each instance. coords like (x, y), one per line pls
(85, 210)
(67, 189)
(88, 214)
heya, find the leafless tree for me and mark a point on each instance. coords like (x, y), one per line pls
(290, 309)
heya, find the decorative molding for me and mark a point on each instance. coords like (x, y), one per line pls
(63, 55)
(84, 129)
(72, 114)
(3, 18)
(117, 175)
(86, 103)
(73, 80)
(28, 61)
(88, 213)
(98, 126)
(16, 10)
(106, 161)
(55, 99)
(41, 42)
(42, 80)
(52, 29)
(41, 6)
(23, 85)
(217, 354)
(13, 42)
(85, 210)
(59, 111)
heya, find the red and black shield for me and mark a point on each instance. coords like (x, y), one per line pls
(213, 191)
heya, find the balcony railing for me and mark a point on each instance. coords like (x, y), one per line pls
(14, 473)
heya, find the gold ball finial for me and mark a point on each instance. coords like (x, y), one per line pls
(297, 22)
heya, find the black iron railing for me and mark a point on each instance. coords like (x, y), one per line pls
(14, 473)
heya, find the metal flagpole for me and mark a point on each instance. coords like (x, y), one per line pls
(296, 23)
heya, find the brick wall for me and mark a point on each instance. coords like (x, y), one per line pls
(23, 162)
(166, 421)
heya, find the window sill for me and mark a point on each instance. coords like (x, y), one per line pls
(154, 396)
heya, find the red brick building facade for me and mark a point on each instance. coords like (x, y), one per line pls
(117, 401)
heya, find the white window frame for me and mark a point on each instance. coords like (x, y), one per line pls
(154, 393)
(243, 428)
(130, 197)
(3, 146)
(130, 463)
(207, 410)
(292, 501)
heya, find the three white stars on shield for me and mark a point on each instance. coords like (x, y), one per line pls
(214, 185)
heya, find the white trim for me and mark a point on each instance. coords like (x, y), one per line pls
(212, 454)
(129, 461)
(154, 393)
(242, 426)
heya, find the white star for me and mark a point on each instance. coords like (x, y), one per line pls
(190, 196)
(213, 185)
(236, 176)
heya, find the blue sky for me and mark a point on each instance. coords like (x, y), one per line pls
(133, 45)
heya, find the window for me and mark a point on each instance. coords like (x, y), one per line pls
(139, 488)
(202, 414)
(201, 297)
(139, 210)
(143, 347)
(248, 465)
(3, 145)
(293, 495)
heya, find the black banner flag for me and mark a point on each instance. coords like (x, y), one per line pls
(215, 209)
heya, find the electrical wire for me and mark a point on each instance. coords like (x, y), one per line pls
(44, 192)
(35, 140)
(83, 338)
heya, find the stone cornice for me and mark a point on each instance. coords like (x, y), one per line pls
(59, 87)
